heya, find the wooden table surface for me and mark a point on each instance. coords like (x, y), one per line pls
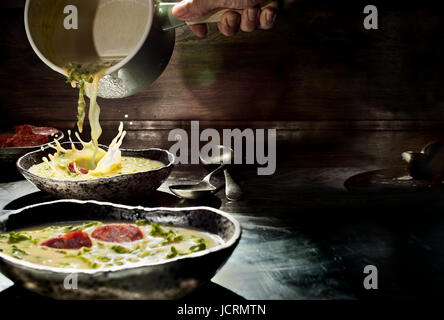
(304, 235)
(344, 100)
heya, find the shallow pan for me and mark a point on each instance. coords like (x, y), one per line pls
(118, 188)
(168, 279)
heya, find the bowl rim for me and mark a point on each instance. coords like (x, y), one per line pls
(59, 138)
(64, 271)
(96, 180)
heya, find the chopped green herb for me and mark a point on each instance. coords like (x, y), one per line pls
(141, 222)
(15, 237)
(104, 259)
(90, 224)
(198, 247)
(144, 254)
(70, 228)
(172, 239)
(173, 253)
(156, 230)
(91, 264)
(18, 253)
(120, 249)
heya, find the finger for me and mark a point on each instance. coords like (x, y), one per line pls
(267, 18)
(250, 19)
(194, 9)
(229, 24)
(190, 9)
(199, 30)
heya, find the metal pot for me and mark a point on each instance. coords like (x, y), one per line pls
(134, 38)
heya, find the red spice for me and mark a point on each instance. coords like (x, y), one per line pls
(27, 136)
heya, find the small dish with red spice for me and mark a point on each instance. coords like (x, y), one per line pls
(23, 139)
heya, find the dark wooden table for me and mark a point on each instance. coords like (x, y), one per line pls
(304, 235)
(344, 100)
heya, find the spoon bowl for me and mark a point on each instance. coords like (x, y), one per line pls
(196, 191)
(193, 191)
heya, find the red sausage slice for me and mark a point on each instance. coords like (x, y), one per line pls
(117, 233)
(72, 169)
(72, 240)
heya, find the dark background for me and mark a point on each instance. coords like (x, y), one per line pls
(344, 100)
(318, 70)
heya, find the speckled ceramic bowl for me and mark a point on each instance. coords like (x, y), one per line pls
(168, 279)
(118, 188)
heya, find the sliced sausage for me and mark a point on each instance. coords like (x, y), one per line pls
(72, 240)
(72, 169)
(117, 233)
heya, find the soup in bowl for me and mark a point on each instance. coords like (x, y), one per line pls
(127, 184)
(115, 265)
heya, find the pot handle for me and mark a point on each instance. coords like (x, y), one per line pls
(168, 21)
(2, 212)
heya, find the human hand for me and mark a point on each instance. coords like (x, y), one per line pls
(252, 16)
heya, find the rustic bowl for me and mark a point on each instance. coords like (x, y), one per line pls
(168, 279)
(121, 187)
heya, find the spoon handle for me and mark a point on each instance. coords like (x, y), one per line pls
(208, 176)
(232, 190)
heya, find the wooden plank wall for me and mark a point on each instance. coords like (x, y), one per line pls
(318, 68)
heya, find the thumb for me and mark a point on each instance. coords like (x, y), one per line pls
(194, 9)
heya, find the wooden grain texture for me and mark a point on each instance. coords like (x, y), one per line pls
(318, 64)
(304, 235)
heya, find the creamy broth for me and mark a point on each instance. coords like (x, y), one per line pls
(90, 161)
(63, 171)
(157, 243)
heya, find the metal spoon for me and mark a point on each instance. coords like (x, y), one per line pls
(232, 190)
(199, 190)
